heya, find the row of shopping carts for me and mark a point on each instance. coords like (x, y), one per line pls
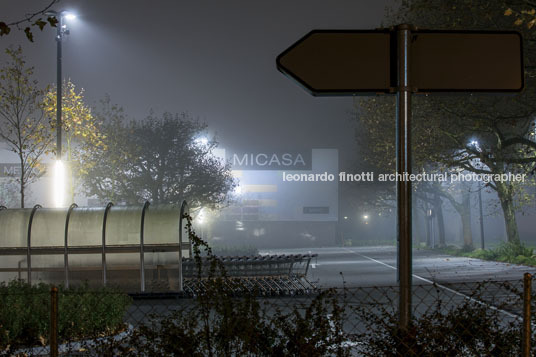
(265, 275)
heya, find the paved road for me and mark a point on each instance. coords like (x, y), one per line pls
(376, 266)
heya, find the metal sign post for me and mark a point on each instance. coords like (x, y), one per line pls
(403, 165)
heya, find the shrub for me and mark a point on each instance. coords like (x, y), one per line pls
(84, 312)
(24, 313)
(88, 312)
(467, 329)
(516, 253)
(484, 254)
(510, 251)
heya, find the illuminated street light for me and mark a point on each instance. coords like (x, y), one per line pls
(202, 140)
(474, 143)
(366, 217)
(59, 181)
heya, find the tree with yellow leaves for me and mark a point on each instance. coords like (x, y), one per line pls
(79, 129)
(522, 17)
(23, 127)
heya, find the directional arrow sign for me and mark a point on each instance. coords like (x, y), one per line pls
(363, 62)
(339, 62)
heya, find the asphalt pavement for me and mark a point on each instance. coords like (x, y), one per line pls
(376, 266)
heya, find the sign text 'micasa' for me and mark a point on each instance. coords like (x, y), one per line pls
(288, 160)
(9, 170)
(14, 170)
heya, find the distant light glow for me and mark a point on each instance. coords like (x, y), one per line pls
(239, 226)
(474, 143)
(202, 140)
(202, 216)
(69, 16)
(257, 232)
(238, 190)
(345, 217)
(59, 184)
(365, 217)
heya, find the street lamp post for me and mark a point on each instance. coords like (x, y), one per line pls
(59, 171)
(59, 37)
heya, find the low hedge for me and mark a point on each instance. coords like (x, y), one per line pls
(84, 312)
(514, 253)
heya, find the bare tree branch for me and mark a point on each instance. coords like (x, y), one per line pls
(31, 20)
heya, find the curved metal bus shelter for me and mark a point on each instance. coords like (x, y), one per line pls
(121, 236)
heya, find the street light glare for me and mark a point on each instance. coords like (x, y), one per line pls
(202, 140)
(238, 190)
(59, 184)
(202, 216)
(70, 16)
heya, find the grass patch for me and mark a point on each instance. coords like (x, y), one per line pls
(514, 253)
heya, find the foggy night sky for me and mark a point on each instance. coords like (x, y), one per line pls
(213, 59)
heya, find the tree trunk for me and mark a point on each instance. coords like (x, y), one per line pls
(507, 203)
(417, 235)
(21, 196)
(427, 219)
(22, 183)
(464, 210)
(466, 221)
(438, 205)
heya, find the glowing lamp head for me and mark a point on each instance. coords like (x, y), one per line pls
(69, 16)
